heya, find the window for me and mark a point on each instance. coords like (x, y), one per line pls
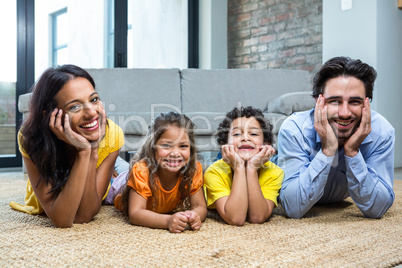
(59, 37)
(110, 35)
(158, 37)
(54, 32)
(8, 78)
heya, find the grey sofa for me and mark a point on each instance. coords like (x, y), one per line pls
(133, 97)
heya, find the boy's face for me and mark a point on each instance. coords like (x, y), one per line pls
(246, 136)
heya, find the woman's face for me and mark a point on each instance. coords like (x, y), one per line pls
(81, 102)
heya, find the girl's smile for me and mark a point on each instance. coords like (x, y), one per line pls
(172, 150)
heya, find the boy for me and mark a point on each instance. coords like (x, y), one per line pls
(244, 183)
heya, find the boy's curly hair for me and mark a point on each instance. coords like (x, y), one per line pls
(249, 111)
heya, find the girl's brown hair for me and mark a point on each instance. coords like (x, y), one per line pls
(147, 154)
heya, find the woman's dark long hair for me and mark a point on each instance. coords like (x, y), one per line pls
(147, 154)
(49, 154)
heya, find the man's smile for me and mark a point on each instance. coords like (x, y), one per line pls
(344, 122)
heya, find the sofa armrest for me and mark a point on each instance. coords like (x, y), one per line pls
(291, 102)
(23, 102)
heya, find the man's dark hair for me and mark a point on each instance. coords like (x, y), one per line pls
(344, 66)
(249, 111)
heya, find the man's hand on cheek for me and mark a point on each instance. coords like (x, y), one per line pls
(352, 144)
(324, 130)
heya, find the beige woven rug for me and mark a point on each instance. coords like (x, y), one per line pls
(329, 236)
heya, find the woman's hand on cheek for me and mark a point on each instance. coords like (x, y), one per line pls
(75, 139)
(64, 132)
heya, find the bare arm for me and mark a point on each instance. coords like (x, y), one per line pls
(198, 211)
(259, 208)
(370, 179)
(62, 209)
(139, 215)
(96, 185)
(80, 198)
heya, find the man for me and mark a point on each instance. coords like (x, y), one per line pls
(339, 149)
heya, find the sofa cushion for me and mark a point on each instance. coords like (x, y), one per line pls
(133, 123)
(138, 90)
(222, 90)
(291, 102)
(206, 123)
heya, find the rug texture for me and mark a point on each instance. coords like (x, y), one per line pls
(335, 235)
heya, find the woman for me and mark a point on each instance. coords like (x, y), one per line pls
(69, 148)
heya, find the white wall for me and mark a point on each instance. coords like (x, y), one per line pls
(213, 34)
(159, 35)
(389, 67)
(370, 31)
(86, 20)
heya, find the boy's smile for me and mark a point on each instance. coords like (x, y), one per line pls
(246, 136)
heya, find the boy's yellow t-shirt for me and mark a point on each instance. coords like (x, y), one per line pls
(218, 181)
(113, 141)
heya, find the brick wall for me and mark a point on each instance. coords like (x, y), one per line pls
(284, 34)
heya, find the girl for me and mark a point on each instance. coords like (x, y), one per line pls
(244, 184)
(69, 148)
(165, 177)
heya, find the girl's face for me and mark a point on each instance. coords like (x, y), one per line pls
(246, 136)
(173, 149)
(82, 104)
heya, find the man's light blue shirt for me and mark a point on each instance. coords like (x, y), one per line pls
(312, 178)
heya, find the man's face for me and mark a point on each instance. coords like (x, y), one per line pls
(344, 98)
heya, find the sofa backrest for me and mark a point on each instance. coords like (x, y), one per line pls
(222, 90)
(133, 97)
(129, 91)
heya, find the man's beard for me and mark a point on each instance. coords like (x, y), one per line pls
(344, 134)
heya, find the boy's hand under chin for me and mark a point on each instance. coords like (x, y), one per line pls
(260, 158)
(231, 156)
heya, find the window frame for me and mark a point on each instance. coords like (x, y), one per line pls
(25, 69)
(56, 47)
(26, 53)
